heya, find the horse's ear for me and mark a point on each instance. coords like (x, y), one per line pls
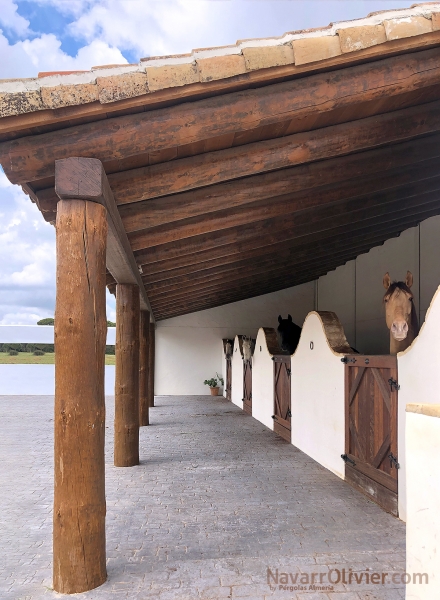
(280, 319)
(386, 280)
(409, 279)
(289, 318)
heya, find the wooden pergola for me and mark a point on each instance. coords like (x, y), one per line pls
(185, 183)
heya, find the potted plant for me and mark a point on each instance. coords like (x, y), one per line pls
(214, 384)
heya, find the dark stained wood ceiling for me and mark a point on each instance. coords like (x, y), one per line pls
(245, 193)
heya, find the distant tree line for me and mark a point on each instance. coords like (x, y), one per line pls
(51, 321)
(43, 347)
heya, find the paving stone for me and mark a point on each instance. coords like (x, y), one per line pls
(215, 502)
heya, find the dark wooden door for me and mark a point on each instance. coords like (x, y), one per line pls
(371, 428)
(281, 394)
(228, 379)
(247, 386)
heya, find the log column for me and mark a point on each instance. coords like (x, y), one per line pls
(80, 335)
(127, 375)
(151, 362)
(144, 400)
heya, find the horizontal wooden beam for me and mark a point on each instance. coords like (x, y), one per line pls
(85, 179)
(290, 207)
(33, 157)
(268, 258)
(371, 165)
(301, 224)
(253, 274)
(399, 225)
(283, 250)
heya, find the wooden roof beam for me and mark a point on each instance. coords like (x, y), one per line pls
(393, 227)
(289, 154)
(30, 158)
(290, 207)
(85, 179)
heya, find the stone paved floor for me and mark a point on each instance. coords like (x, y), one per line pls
(216, 501)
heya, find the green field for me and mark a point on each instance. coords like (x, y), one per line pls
(27, 358)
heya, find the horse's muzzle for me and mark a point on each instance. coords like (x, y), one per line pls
(399, 330)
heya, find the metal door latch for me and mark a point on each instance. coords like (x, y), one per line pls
(346, 459)
(393, 461)
(346, 360)
(289, 414)
(393, 384)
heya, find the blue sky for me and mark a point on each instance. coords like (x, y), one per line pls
(45, 35)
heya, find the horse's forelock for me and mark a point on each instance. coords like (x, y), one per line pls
(396, 285)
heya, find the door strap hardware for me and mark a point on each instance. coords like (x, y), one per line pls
(346, 459)
(274, 418)
(289, 414)
(346, 360)
(250, 396)
(288, 372)
(243, 399)
(393, 384)
(393, 461)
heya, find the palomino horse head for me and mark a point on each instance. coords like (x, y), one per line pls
(401, 316)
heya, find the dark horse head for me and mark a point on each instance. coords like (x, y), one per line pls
(288, 334)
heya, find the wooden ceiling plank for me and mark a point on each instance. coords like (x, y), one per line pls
(264, 259)
(258, 187)
(269, 268)
(31, 158)
(277, 235)
(280, 153)
(157, 212)
(251, 215)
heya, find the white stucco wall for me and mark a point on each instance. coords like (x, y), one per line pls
(423, 516)
(38, 334)
(262, 382)
(237, 375)
(317, 398)
(39, 380)
(189, 348)
(419, 380)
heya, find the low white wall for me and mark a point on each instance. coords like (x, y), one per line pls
(262, 382)
(39, 380)
(317, 404)
(38, 334)
(419, 380)
(189, 348)
(237, 375)
(423, 500)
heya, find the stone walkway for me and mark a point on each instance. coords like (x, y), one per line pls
(217, 500)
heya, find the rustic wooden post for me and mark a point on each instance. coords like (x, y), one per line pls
(144, 400)
(151, 361)
(79, 562)
(127, 375)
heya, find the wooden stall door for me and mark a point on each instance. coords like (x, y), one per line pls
(229, 379)
(371, 428)
(282, 414)
(247, 386)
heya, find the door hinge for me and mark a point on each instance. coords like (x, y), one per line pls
(393, 461)
(288, 414)
(274, 418)
(393, 384)
(347, 459)
(346, 360)
(288, 372)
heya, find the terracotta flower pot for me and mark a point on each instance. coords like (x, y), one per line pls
(214, 391)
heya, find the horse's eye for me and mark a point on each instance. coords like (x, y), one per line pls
(411, 299)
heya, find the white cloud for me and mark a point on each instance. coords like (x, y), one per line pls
(26, 58)
(11, 20)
